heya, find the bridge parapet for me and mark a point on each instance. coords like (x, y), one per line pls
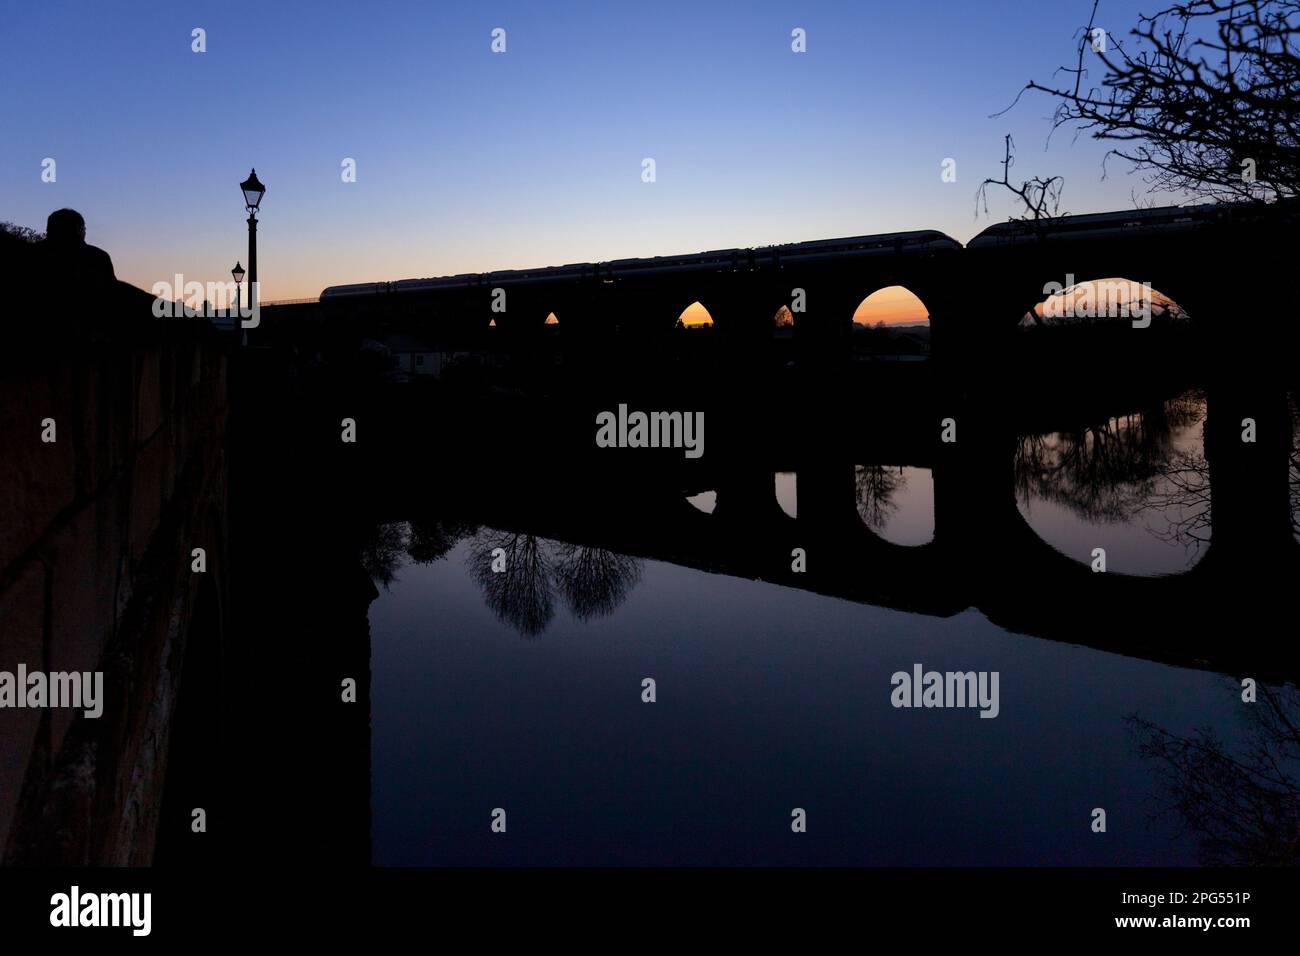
(112, 472)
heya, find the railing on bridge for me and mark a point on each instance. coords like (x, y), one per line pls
(308, 301)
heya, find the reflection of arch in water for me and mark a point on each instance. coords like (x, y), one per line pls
(787, 492)
(896, 502)
(704, 501)
(1135, 485)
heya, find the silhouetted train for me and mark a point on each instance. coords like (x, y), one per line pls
(1147, 222)
(718, 260)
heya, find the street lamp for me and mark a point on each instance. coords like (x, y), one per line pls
(237, 274)
(253, 191)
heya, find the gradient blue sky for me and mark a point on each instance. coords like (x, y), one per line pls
(469, 161)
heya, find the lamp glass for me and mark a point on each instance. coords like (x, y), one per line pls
(253, 190)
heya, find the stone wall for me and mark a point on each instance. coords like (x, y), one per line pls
(96, 533)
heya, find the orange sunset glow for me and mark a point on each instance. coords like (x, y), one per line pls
(892, 305)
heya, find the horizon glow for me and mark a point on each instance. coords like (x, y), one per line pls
(472, 161)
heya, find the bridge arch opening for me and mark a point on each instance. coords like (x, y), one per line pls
(892, 323)
(552, 319)
(891, 305)
(896, 502)
(1103, 300)
(695, 316)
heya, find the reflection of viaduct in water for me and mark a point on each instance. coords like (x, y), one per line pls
(983, 554)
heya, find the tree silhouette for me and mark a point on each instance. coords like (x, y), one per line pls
(1040, 197)
(1203, 95)
(25, 233)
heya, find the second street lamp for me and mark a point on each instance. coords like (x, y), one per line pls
(237, 274)
(253, 192)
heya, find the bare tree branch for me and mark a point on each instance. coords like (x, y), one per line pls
(1040, 197)
(1203, 96)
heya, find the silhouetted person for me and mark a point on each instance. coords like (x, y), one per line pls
(68, 264)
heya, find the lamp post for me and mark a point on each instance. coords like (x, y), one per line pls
(253, 190)
(237, 274)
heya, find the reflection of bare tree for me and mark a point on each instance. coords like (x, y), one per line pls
(594, 581)
(1181, 496)
(1245, 806)
(1112, 470)
(383, 551)
(1295, 467)
(431, 540)
(1101, 472)
(876, 485)
(389, 546)
(521, 594)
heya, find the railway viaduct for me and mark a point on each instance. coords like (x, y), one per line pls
(1210, 259)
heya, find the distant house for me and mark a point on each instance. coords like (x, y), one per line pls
(412, 356)
(909, 343)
